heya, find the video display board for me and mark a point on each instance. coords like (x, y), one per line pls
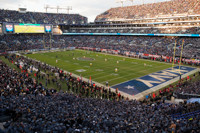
(48, 28)
(9, 28)
(1, 29)
(57, 31)
(29, 28)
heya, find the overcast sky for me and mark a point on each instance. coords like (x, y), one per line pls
(88, 8)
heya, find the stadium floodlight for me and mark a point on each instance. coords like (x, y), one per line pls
(46, 7)
(121, 1)
(57, 8)
(68, 8)
(132, 1)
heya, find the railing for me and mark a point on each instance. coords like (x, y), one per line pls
(186, 96)
(186, 116)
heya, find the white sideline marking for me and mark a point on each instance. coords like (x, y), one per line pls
(81, 70)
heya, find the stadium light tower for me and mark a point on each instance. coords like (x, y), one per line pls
(58, 8)
(121, 1)
(143, 2)
(65, 8)
(46, 7)
(132, 1)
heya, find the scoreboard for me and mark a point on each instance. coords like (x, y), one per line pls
(20, 28)
(29, 28)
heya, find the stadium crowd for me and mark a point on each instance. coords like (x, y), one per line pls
(151, 45)
(41, 18)
(29, 107)
(29, 41)
(188, 87)
(75, 85)
(141, 30)
(151, 10)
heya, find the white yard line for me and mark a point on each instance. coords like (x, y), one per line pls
(131, 74)
(140, 95)
(113, 69)
(138, 77)
(130, 57)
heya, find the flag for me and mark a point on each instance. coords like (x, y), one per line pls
(154, 95)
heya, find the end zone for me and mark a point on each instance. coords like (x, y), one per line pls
(144, 85)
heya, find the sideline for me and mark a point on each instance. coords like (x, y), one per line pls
(136, 97)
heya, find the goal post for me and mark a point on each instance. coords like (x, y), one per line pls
(181, 57)
(174, 56)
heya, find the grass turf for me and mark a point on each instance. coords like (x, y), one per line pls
(100, 70)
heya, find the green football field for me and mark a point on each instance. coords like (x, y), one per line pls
(101, 67)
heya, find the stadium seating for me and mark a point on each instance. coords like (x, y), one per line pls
(152, 10)
(28, 105)
(187, 115)
(151, 45)
(141, 30)
(188, 88)
(26, 108)
(41, 18)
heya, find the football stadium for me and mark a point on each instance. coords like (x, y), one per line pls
(135, 68)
